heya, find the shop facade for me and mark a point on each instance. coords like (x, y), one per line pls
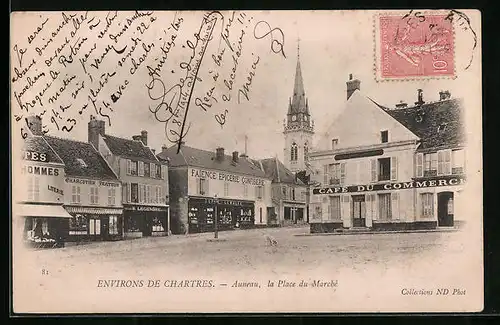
(402, 169)
(38, 212)
(205, 184)
(143, 178)
(232, 214)
(92, 192)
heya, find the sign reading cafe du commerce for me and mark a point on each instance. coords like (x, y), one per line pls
(391, 186)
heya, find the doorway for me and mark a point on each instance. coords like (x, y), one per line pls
(445, 209)
(358, 211)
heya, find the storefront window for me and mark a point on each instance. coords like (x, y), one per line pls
(427, 200)
(131, 224)
(78, 225)
(158, 224)
(38, 230)
(94, 226)
(113, 225)
(334, 208)
(385, 212)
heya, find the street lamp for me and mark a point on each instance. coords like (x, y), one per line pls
(216, 219)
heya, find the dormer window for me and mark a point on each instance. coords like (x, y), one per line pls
(81, 162)
(442, 127)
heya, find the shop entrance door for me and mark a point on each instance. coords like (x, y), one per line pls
(358, 211)
(445, 209)
(148, 225)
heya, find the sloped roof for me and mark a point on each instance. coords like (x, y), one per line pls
(277, 171)
(71, 151)
(38, 144)
(128, 148)
(194, 157)
(425, 122)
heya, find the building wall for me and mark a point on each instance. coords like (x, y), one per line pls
(48, 182)
(85, 185)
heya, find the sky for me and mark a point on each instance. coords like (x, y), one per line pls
(332, 46)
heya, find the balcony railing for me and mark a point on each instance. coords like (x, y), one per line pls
(384, 177)
(334, 181)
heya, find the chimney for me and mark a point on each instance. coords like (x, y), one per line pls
(401, 104)
(144, 136)
(235, 156)
(444, 95)
(34, 124)
(420, 94)
(96, 128)
(164, 149)
(243, 155)
(352, 85)
(154, 151)
(219, 154)
(137, 137)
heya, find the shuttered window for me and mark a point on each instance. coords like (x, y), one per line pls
(419, 165)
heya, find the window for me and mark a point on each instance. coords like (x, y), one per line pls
(384, 205)
(260, 215)
(163, 171)
(159, 195)
(125, 193)
(134, 193)
(94, 227)
(419, 164)
(132, 167)
(147, 169)
(395, 206)
(113, 225)
(149, 198)
(78, 225)
(384, 169)
(131, 224)
(294, 152)
(33, 188)
(111, 196)
(458, 161)
(427, 200)
(292, 191)
(335, 174)
(202, 186)
(158, 172)
(306, 151)
(141, 168)
(245, 190)
(226, 188)
(430, 164)
(94, 195)
(335, 142)
(81, 162)
(75, 194)
(142, 193)
(152, 170)
(334, 208)
(384, 136)
(444, 162)
(316, 210)
(157, 225)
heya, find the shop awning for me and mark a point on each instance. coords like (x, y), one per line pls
(41, 210)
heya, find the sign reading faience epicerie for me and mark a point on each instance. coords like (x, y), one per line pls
(391, 186)
(226, 177)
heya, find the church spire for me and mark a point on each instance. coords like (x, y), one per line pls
(299, 96)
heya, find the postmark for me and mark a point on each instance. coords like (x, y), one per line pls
(414, 45)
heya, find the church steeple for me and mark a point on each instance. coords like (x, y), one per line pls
(298, 103)
(298, 128)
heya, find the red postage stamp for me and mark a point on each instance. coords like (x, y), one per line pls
(414, 45)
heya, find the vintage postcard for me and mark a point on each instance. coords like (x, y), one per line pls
(246, 161)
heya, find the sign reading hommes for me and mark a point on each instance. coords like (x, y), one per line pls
(206, 174)
(391, 186)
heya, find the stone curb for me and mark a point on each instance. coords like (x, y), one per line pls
(378, 232)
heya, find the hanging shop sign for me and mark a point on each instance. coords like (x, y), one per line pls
(449, 181)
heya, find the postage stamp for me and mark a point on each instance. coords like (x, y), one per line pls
(414, 45)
